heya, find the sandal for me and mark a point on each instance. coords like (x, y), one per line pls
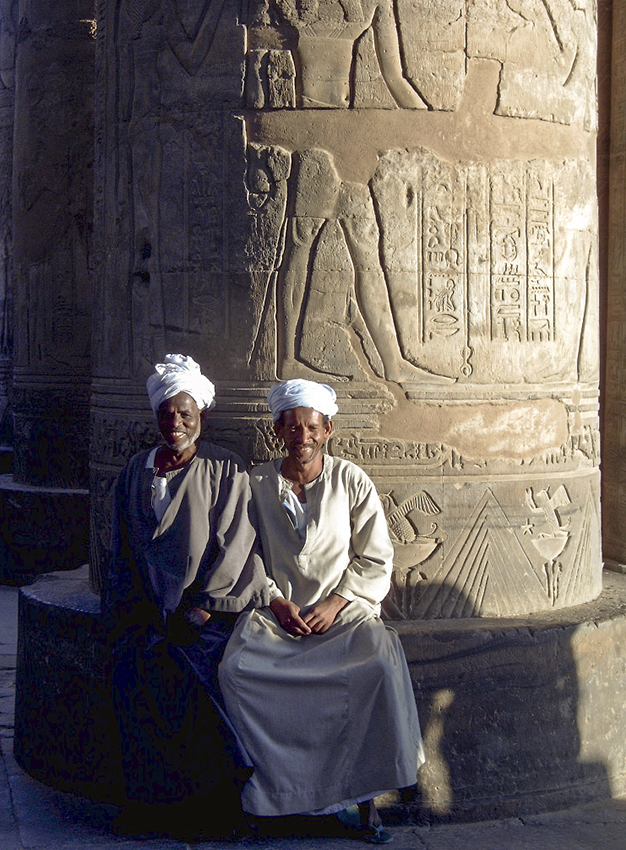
(376, 835)
(351, 818)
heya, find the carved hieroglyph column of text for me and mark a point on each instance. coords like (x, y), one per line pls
(395, 198)
(8, 28)
(52, 220)
(614, 430)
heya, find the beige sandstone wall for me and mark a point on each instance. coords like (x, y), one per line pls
(399, 200)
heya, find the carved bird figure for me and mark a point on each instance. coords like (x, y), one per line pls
(399, 526)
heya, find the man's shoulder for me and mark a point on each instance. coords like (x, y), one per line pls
(213, 453)
(136, 461)
(341, 469)
(263, 471)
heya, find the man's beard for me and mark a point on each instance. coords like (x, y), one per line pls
(181, 447)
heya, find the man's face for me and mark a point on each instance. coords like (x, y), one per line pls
(179, 422)
(304, 433)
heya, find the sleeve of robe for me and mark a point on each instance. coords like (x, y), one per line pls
(123, 600)
(368, 573)
(232, 577)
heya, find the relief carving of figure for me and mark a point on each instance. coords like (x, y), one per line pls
(325, 34)
(331, 285)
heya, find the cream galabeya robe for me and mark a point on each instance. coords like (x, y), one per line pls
(330, 719)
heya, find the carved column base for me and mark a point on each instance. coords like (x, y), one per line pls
(518, 715)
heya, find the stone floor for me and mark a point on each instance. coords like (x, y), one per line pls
(34, 817)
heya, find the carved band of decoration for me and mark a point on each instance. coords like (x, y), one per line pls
(377, 451)
(117, 439)
(503, 558)
(580, 450)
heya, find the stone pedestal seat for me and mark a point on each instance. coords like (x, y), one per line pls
(518, 715)
(42, 529)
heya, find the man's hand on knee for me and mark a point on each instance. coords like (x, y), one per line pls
(288, 615)
(321, 616)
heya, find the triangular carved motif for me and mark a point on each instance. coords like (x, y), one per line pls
(486, 572)
(577, 574)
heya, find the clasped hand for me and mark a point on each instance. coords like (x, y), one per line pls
(197, 617)
(317, 620)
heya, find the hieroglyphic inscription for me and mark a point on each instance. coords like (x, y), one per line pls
(377, 451)
(454, 234)
(418, 274)
(444, 254)
(522, 268)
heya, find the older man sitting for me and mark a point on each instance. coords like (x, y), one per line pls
(183, 564)
(315, 685)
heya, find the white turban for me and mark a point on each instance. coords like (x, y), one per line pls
(179, 374)
(301, 393)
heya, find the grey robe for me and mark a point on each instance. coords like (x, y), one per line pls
(176, 741)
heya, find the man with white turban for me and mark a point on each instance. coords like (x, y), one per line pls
(183, 564)
(315, 685)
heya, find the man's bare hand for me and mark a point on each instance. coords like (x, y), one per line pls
(197, 616)
(321, 617)
(288, 615)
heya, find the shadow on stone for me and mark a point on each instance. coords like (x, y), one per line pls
(519, 716)
(41, 530)
(515, 713)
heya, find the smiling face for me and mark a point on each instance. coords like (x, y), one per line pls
(180, 422)
(304, 432)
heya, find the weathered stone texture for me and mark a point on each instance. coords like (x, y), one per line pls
(52, 224)
(487, 690)
(395, 198)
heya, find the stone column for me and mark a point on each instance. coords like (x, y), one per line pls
(614, 430)
(52, 221)
(398, 199)
(8, 30)
(171, 215)
(44, 505)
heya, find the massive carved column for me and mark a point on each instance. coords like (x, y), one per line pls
(171, 216)
(395, 198)
(52, 221)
